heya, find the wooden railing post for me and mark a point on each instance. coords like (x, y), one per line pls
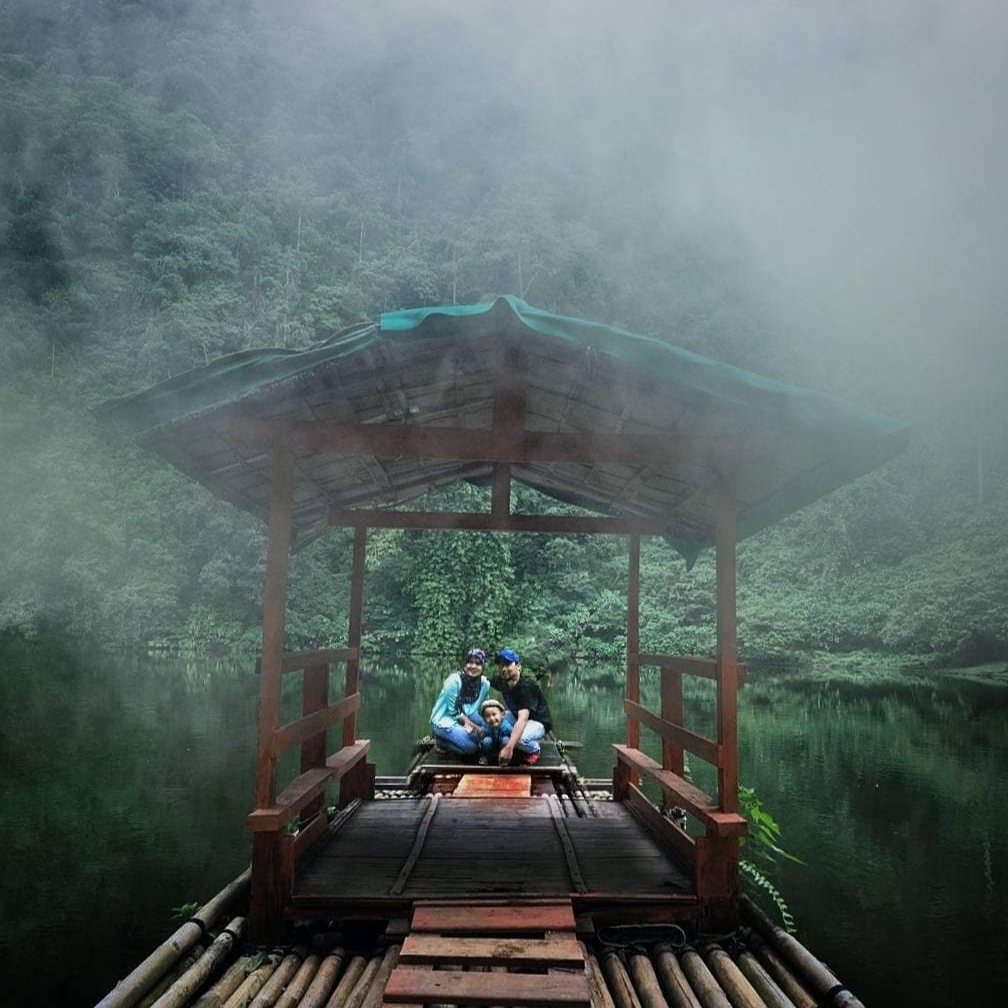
(269, 880)
(672, 711)
(356, 623)
(314, 749)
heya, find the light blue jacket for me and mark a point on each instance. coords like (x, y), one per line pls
(443, 715)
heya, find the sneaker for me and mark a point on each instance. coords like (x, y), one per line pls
(482, 761)
(531, 758)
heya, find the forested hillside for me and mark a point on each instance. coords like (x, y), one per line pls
(180, 180)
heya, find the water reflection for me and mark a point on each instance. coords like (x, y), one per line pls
(128, 780)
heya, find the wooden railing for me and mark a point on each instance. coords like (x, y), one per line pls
(285, 825)
(714, 855)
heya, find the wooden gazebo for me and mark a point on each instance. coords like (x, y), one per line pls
(651, 439)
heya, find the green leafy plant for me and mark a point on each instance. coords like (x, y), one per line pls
(763, 847)
(184, 910)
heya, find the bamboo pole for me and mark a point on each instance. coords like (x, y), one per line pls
(618, 982)
(376, 994)
(191, 981)
(706, 988)
(645, 980)
(348, 981)
(254, 982)
(324, 980)
(132, 988)
(778, 969)
(300, 982)
(822, 981)
(170, 977)
(764, 984)
(740, 992)
(600, 996)
(677, 990)
(274, 987)
(363, 985)
(223, 988)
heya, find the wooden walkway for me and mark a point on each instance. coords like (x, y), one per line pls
(393, 852)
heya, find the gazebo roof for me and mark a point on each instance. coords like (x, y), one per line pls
(624, 425)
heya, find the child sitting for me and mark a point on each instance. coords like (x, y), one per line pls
(496, 732)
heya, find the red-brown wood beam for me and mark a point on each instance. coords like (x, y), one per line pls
(501, 501)
(480, 444)
(315, 697)
(481, 521)
(727, 673)
(356, 624)
(633, 640)
(672, 711)
(274, 607)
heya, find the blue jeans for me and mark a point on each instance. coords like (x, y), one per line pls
(489, 745)
(457, 740)
(529, 741)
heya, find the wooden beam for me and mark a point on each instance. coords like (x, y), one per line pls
(676, 838)
(683, 793)
(501, 501)
(705, 668)
(488, 917)
(274, 606)
(483, 522)
(531, 953)
(312, 724)
(314, 699)
(294, 661)
(354, 632)
(416, 985)
(697, 744)
(727, 682)
(479, 444)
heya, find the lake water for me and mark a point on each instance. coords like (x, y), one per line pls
(126, 784)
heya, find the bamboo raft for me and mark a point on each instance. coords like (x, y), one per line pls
(541, 953)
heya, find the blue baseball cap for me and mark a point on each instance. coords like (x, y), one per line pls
(505, 656)
(478, 653)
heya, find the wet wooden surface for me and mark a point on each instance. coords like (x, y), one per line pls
(484, 848)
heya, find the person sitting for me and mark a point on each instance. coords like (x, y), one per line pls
(455, 721)
(528, 712)
(497, 730)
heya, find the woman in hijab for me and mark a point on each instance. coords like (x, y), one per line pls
(455, 720)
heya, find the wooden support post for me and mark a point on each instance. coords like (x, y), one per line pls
(633, 639)
(356, 623)
(672, 711)
(727, 672)
(501, 502)
(270, 881)
(314, 750)
(274, 607)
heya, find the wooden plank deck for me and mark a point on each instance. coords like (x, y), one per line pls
(437, 847)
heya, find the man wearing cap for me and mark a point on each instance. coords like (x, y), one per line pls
(455, 720)
(527, 708)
